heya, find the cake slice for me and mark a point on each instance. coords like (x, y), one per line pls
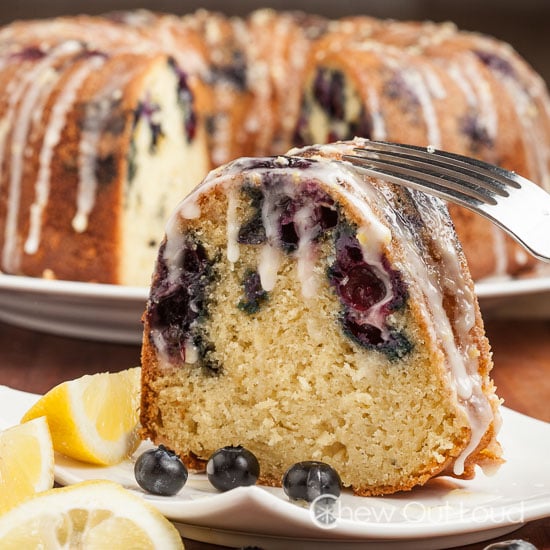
(308, 312)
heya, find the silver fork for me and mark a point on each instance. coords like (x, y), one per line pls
(517, 205)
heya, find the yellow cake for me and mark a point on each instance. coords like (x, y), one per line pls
(308, 312)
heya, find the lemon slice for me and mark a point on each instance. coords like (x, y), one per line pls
(92, 515)
(93, 418)
(26, 462)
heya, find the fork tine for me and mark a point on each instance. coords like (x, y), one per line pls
(420, 181)
(512, 202)
(477, 168)
(450, 168)
(454, 179)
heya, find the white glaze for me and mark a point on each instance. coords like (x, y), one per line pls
(52, 135)
(306, 256)
(268, 266)
(233, 226)
(485, 100)
(457, 341)
(21, 108)
(96, 115)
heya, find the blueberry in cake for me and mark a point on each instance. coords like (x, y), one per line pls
(308, 312)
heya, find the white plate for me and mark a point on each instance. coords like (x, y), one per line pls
(112, 313)
(109, 313)
(442, 514)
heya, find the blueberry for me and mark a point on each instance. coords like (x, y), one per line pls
(327, 216)
(233, 72)
(106, 168)
(471, 126)
(337, 99)
(321, 89)
(395, 345)
(361, 288)
(160, 471)
(275, 163)
(186, 101)
(177, 305)
(231, 467)
(365, 334)
(495, 62)
(147, 109)
(356, 282)
(398, 89)
(328, 90)
(301, 131)
(324, 215)
(254, 294)
(362, 127)
(516, 544)
(32, 53)
(311, 479)
(287, 229)
(253, 231)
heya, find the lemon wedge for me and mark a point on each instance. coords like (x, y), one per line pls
(93, 418)
(91, 515)
(26, 462)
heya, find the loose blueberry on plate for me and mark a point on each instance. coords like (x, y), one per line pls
(516, 544)
(311, 479)
(231, 467)
(160, 471)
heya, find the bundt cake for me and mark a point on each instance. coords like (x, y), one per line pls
(106, 121)
(96, 137)
(309, 312)
(428, 84)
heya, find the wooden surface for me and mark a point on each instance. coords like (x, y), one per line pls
(36, 362)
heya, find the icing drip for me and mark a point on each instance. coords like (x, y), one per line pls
(480, 414)
(232, 227)
(372, 242)
(415, 81)
(529, 99)
(535, 147)
(268, 266)
(173, 249)
(305, 255)
(270, 256)
(485, 100)
(95, 119)
(459, 345)
(190, 210)
(51, 139)
(435, 85)
(20, 119)
(378, 125)
(455, 72)
(422, 92)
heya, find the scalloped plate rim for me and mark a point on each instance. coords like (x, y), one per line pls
(268, 513)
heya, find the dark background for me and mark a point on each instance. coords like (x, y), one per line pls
(523, 23)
